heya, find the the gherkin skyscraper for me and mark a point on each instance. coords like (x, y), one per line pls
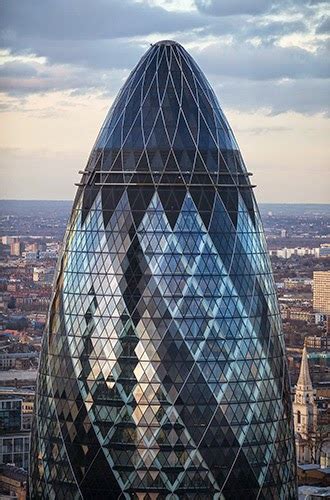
(163, 372)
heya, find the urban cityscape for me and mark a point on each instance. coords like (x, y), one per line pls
(31, 234)
(164, 314)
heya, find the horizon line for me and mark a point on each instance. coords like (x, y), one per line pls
(259, 203)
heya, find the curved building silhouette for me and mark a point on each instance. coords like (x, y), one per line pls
(163, 371)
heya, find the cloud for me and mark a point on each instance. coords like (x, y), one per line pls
(224, 8)
(268, 30)
(107, 35)
(24, 78)
(242, 28)
(233, 7)
(86, 20)
(89, 47)
(17, 69)
(324, 26)
(307, 97)
(99, 54)
(262, 62)
(96, 34)
(263, 130)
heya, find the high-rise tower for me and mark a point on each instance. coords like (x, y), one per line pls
(163, 371)
(321, 292)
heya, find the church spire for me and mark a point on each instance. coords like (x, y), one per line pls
(305, 413)
(304, 380)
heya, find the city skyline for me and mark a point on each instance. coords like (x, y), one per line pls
(40, 226)
(266, 61)
(165, 249)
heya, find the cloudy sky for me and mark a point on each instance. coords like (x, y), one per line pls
(63, 62)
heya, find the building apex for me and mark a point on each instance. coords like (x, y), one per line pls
(167, 42)
(304, 380)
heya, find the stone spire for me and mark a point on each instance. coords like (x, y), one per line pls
(304, 381)
(305, 413)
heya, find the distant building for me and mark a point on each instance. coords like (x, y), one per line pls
(18, 360)
(310, 475)
(297, 283)
(14, 441)
(42, 275)
(20, 414)
(325, 456)
(321, 291)
(50, 255)
(10, 414)
(297, 314)
(37, 271)
(16, 249)
(13, 483)
(31, 247)
(6, 361)
(321, 319)
(286, 253)
(318, 342)
(8, 240)
(325, 250)
(13, 285)
(15, 448)
(31, 256)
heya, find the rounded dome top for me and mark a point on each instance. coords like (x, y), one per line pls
(166, 42)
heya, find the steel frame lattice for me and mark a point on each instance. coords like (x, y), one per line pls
(163, 371)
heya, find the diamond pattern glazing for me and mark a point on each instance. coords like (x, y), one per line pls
(163, 371)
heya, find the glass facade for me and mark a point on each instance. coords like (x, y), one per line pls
(10, 414)
(15, 449)
(163, 371)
